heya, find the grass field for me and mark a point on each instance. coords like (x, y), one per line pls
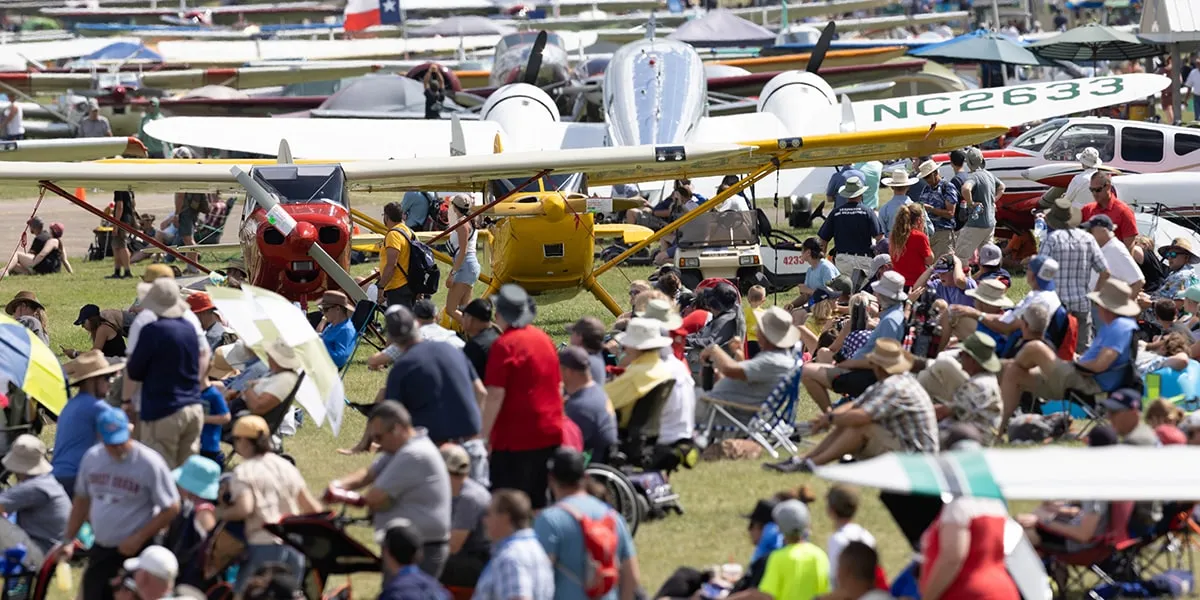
(714, 495)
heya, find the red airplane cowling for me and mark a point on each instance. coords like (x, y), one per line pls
(281, 263)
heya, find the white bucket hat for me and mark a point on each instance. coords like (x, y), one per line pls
(899, 178)
(1090, 158)
(890, 285)
(643, 334)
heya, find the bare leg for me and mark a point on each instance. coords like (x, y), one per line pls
(631, 216)
(458, 296)
(815, 380)
(1018, 375)
(843, 441)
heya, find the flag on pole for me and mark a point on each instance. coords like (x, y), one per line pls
(361, 14)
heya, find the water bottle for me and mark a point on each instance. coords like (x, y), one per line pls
(216, 278)
(1039, 228)
(62, 577)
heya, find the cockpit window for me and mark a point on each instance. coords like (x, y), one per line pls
(565, 183)
(1075, 138)
(1036, 138)
(296, 184)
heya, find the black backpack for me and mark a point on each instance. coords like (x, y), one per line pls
(961, 215)
(422, 272)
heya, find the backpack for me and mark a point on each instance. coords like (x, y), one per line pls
(422, 272)
(600, 541)
(961, 215)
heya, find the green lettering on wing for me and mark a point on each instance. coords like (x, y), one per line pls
(923, 107)
(899, 112)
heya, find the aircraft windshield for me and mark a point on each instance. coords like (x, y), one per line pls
(507, 42)
(727, 228)
(1036, 138)
(304, 183)
(566, 183)
(1075, 138)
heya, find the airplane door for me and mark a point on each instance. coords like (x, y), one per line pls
(1142, 145)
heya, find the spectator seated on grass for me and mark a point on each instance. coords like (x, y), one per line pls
(975, 398)
(37, 499)
(799, 570)
(990, 299)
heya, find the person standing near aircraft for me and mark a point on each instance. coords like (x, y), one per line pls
(1192, 83)
(1105, 202)
(979, 191)
(434, 94)
(94, 125)
(836, 182)
(940, 198)
(846, 226)
(1077, 190)
(392, 278)
(465, 271)
(123, 212)
(12, 124)
(872, 171)
(155, 148)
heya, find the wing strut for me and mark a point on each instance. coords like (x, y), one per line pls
(487, 206)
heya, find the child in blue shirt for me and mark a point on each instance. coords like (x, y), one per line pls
(216, 414)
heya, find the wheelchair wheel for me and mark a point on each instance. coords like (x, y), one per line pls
(625, 499)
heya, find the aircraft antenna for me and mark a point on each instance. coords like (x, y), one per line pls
(651, 25)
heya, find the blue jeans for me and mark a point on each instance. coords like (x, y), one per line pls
(259, 555)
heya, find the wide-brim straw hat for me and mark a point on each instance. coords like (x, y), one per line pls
(775, 324)
(284, 355)
(926, 168)
(661, 310)
(88, 365)
(1181, 245)
(992, 293)
(890, 356)
(1115, 296)
(643, 334)
(941, 377)
(162, 298)
(899, 178)
(514, 305)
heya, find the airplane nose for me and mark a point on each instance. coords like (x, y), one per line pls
(303, 236)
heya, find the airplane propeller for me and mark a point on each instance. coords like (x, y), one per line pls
(534, 66)
(818, 52)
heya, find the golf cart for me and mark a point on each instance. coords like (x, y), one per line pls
(739, 246)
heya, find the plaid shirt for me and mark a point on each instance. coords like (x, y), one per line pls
(1078, 255)
(519, 568)
(900, 405)
(977, 402)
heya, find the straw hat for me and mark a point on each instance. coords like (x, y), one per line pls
(661, 310)
(890, 285)
(775, 324)
(336, 298)
(926, 168)
(1181, 245)
(1090, 158)
(890, 356)
(982, 348)
(162, 298)
(27, 456)
(941, 377)
(853, 188)
(88, 365)
(219, 367)
(1063, 215)
(155, 271)
(992, 293)
(899, 178)
(643, 334)
(23, 296)
(284, 355)
(1114, 295)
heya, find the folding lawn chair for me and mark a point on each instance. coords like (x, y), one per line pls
(1113, 558)
(771, 425)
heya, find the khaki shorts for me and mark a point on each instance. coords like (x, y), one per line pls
(879, 441)
(175, 437)
(1062, 376)
(971, 239)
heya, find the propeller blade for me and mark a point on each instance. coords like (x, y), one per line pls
(818, 51)
(534, 66)
(337, 273)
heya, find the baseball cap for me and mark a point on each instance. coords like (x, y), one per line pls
(566, 465)
(879, 261)
(251, 427)
(1102, 435)
(944, 266)
(573, 358)
(791, 516)
(399, 321)
(1099, 221)
(156, 561)
(1192, 293)
(974, 157)
(88, 311)
(762, 512)
(1044, 269)
(480, 308)
(458, 462)
(113, 426)
(424, 309)
(1123, 399)
(990, 255)
(402, 540)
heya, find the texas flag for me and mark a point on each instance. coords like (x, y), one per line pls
(361, 14)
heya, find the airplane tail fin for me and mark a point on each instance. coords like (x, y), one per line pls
(285, 153)
(848, 124)
(458, 141)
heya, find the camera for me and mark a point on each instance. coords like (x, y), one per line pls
(923, 327)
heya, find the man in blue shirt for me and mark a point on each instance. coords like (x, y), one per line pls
(840, 175)
(951, 283)
(853, 228)
(820, 273)
(338, 334)
(403, 579)
(558, 530)
(1103, 368)
(940, 198)
(77, 422)
(416, 209)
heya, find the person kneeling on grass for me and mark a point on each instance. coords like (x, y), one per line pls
(799, 570)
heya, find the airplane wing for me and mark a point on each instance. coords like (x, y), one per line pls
(604, 166)
(629, 234)
(70, 149)
(1113, 473)
(240, 78)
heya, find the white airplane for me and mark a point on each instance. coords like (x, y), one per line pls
(71, 149)
(655, 92)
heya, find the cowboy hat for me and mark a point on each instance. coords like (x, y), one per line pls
(890, 286)
(1114, 296)
(982, 348)
(775, 325)
(219, 367)
(23, 296)
(890, 356)
(514, 305)
(926, 168)
(643, 334)
(1090, 158)
(1181, 245)
(853, 188)
(941, 377)
(991, 292)
(88, 365)
(662, 311)
(336, 298)
(1063, 215)
(899, 178)
(284, 355)
(162, 298)
(27, 456)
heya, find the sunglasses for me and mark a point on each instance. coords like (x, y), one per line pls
(1170, 254)
(1098, 189)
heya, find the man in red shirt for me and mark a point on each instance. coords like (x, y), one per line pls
(1105, 202)
(523, 414)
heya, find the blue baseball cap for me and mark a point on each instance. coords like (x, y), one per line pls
(112, 426)
(1044, 269)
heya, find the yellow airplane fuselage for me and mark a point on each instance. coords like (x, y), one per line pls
(551, 250)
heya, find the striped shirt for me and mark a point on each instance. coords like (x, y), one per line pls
(1078, 255)
(901, 406)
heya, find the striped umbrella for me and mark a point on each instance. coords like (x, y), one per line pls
(30, 365)
(1095, 42)
(1112, 473)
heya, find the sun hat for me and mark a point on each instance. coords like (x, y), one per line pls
(1090, 158)
(200, 302)
(1114, 296)
(890, 356)
(982, 348)
(890, 286)
(990, 255)
(156, 561)
(643, 334)
(162, 298)
(791, 517)
(775, 325)
(284, 355)
(27, 456)
(853, 188)
(458, 462)
(974, 157)
(841, 284)
(26, 297)
(926, 168)
(236, 264)
(336, 298)
(662, 311)
(1063, 215)
(992, 293)
(1192, 293)
(113, 426)
(88, 365)
(899, 178)
(155, 271)
(941, 376)
(1044, 270)
(1180, 244)
(220, 367)
(514, 305)
(200, 476)
(251, 427)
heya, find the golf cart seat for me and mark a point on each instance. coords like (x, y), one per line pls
(776, 239)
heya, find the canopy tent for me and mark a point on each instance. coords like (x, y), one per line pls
(463, 25)
(722, 28)
(979, 46)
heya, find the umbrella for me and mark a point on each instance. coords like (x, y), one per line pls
(30, 365)
(260, 317)
(1095, 42)
(979, 46)
(721, 27)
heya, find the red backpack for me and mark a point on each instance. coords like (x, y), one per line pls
(600, 541)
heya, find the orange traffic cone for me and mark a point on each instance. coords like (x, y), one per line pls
(81, 194)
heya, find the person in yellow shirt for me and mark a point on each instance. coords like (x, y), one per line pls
(642, 341)
(756, 296)
(797, 571)
(393, 260)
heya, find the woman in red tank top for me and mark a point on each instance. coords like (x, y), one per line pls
(964, 553)
(908, 244)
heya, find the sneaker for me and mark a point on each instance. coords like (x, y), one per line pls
(792, 465)
(116, 276)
